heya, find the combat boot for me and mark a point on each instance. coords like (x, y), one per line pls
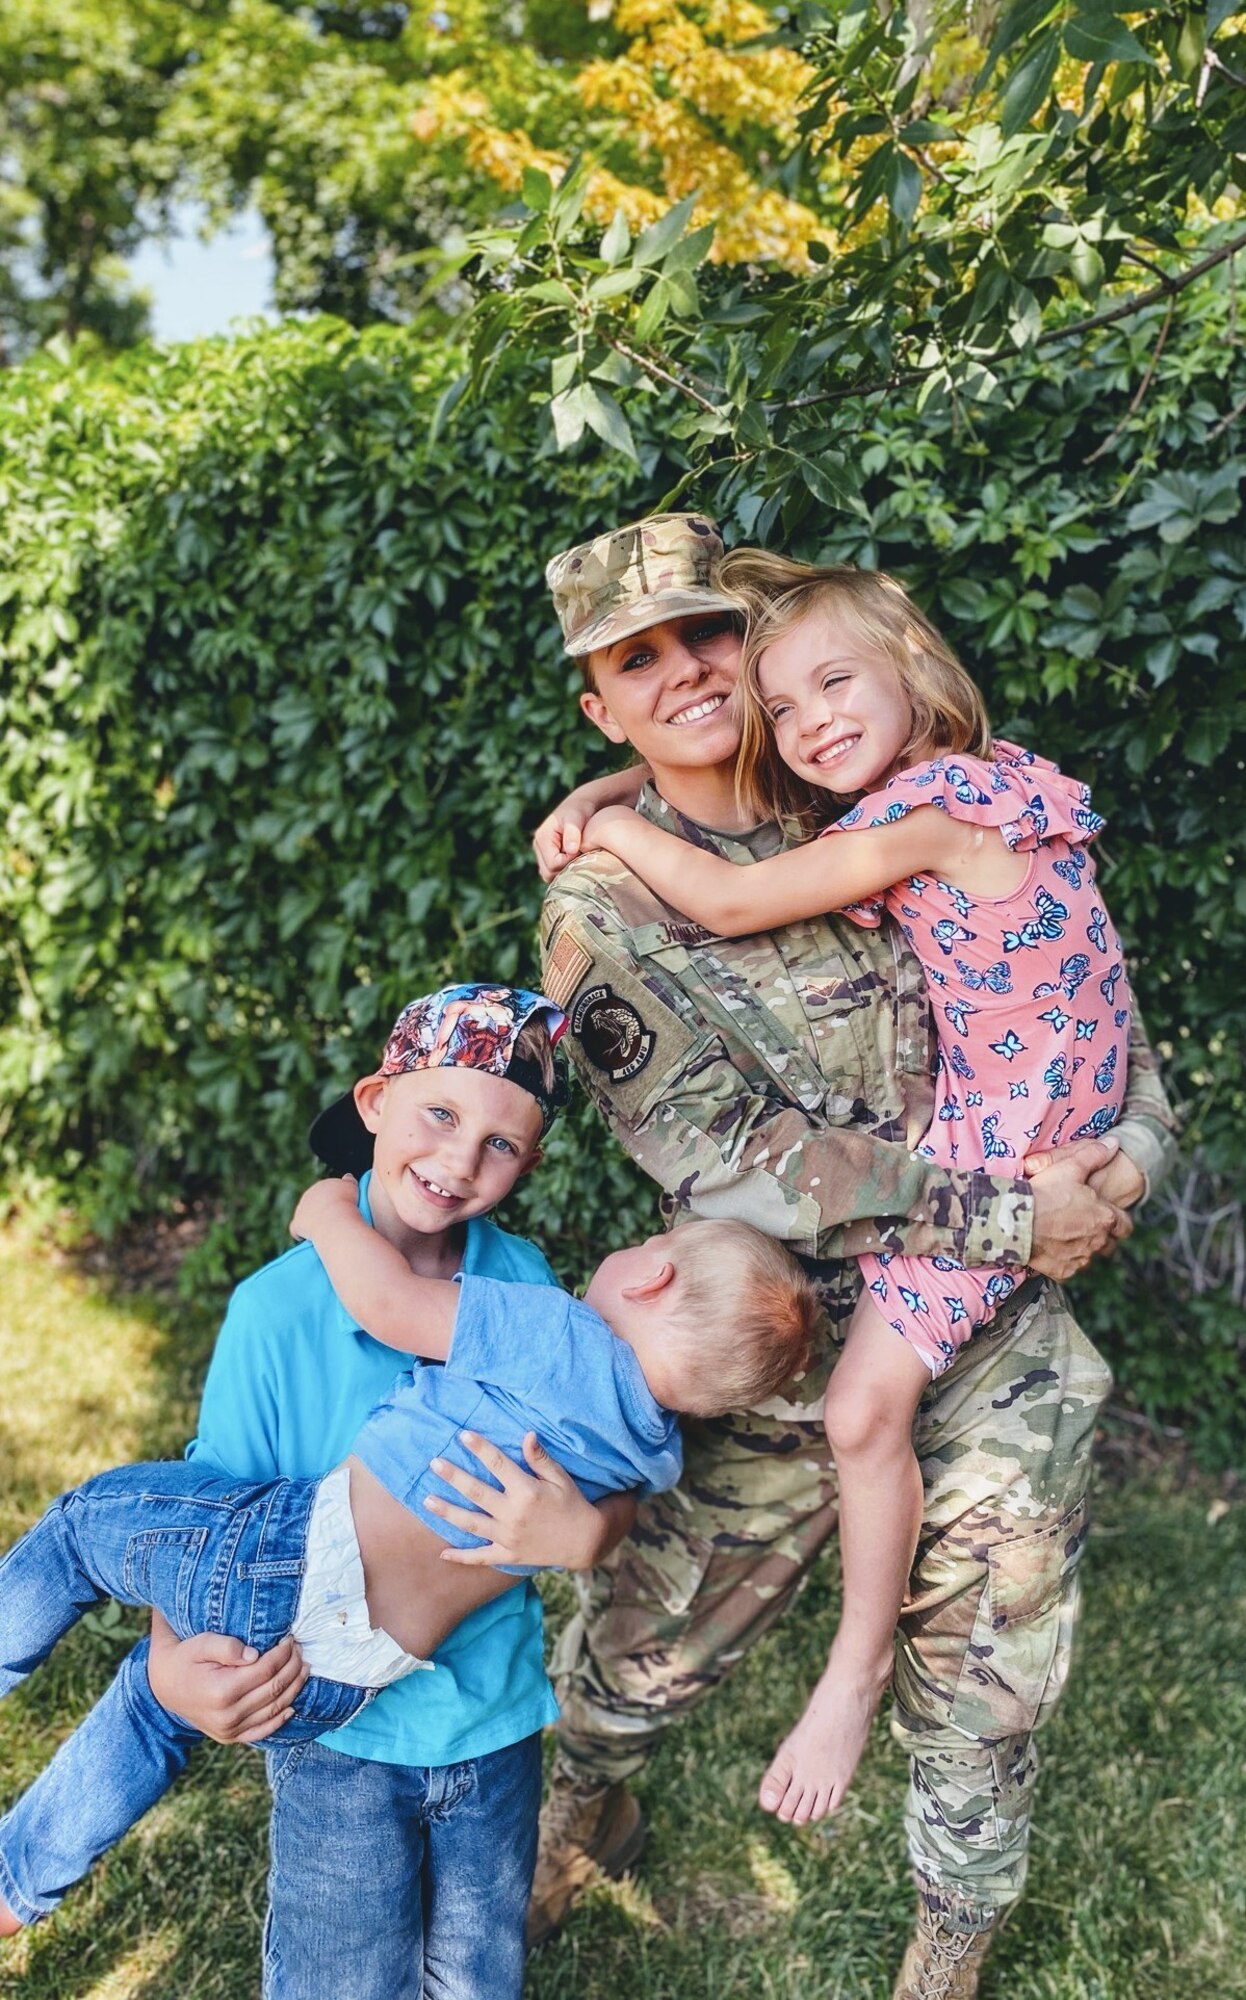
(943, 1961)
(586, 1830)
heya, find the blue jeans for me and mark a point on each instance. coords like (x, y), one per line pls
(392, 1883)
(214, 1555)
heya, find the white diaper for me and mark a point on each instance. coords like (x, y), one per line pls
(331, 1623)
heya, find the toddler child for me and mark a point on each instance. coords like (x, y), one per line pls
(712, 1316)
(980, 852)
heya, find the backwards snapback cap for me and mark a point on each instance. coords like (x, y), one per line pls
(458, 1027)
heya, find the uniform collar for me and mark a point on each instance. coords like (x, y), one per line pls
(754, 845)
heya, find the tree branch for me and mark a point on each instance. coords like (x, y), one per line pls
(1141, 389)
(660, 374)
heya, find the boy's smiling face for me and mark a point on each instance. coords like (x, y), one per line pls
(450, 1144)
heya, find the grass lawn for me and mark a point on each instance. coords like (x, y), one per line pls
(1138, 1884)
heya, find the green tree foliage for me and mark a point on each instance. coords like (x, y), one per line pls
(282, 700)
(1078, 176)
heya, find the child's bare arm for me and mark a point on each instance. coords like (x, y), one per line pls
(804, 882)
(371, 1278)
(558, 838)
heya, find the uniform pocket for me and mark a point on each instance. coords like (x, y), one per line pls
(1016, 1660)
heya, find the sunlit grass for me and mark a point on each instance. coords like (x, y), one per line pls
(1138, 1885)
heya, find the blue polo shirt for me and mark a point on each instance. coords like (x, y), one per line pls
(291, 1381)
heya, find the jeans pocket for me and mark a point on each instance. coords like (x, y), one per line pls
(283, 1760)
(159, 1570)
(1016, 1659)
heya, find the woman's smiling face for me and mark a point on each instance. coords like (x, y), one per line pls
(668, 692)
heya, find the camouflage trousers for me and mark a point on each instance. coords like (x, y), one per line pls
(982, 1650)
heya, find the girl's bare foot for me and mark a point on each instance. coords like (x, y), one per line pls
(814, 1765)
(9, 1924)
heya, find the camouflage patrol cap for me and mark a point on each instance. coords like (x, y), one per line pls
(636, 577)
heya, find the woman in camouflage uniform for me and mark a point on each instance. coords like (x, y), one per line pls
(783, 1079)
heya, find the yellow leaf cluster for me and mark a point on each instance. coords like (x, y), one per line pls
(693, 102)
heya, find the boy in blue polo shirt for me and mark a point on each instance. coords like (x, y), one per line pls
(391, 1836)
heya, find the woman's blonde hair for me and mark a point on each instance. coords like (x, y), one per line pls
(775, 594)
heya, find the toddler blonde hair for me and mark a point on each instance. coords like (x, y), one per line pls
(776, 593)
(746, 1318)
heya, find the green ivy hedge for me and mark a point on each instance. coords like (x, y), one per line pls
(282, 701)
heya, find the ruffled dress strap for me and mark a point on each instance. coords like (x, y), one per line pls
(1025, 796)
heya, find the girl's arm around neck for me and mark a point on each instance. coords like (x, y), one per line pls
(804, 882)
(372, 1279)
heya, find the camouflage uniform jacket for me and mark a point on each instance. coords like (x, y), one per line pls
(782, 1078)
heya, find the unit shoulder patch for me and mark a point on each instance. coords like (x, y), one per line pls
(611, 1033)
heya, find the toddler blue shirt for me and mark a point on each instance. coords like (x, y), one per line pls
(523, 1358)
(291, 1381)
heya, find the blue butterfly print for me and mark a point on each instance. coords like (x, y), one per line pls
(885, 1257)
(1102, 1121)
(1055, 1076)
(999, 1286)
(994, 1147)
(999, 782)
(927, 1152)
(1073, 971)
(1096, 927)
(1049, 924)
(957, 897)
(1036, 813)
(947, 1263)
(959, 1062)
(973, 1098)
(898, 809)
(1058, 1134)
(945, 934)
(850, 818)
(967, 792)
(956, 1311)
(1086, 1030)
(913, 1300)
(1032, 1132)
(950, 1112)
(917, 883)
(1107, 985)
(933, 972)
(997, 978)
(1092, 822)
(1058, 1018)
(1070, 869)
(1021, 1089)
(958, 1012)
(927, 777)
(1009, 1046)
(907, 910)
(1121, 1016)
(879, 1285)
(1105, 1075)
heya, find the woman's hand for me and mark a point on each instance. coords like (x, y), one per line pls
(539, 1517)
(224, 1689)
(558, 839)
(321, 1200)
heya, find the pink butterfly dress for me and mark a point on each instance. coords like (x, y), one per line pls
(1031, 1008)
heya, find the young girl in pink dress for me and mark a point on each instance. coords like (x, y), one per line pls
(980, 852)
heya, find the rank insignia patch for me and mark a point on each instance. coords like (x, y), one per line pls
(611, 1033)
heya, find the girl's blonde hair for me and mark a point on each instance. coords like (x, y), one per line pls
(775, 594)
